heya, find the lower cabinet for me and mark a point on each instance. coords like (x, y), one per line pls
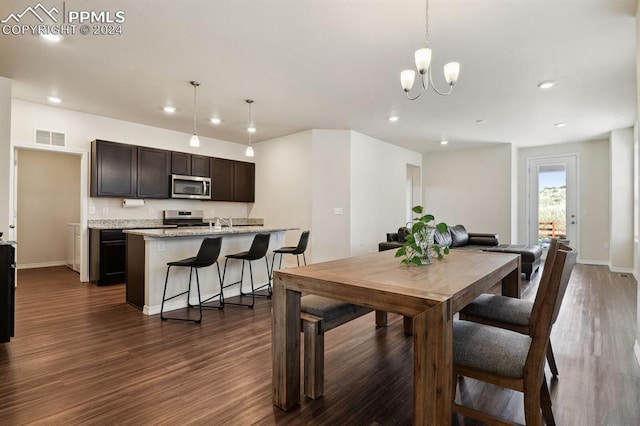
(107, 256)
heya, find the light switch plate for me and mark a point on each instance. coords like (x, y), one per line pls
(338, 210)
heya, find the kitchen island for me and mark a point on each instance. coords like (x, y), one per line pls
(149, 250)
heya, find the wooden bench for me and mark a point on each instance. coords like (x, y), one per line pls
(317, 315)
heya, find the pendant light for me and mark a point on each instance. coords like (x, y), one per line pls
(251, 129)
(195, 141)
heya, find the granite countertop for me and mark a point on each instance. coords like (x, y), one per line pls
(157, 223)
(8, 243)
(199, 231)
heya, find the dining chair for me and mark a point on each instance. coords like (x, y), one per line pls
(512, 314)
(510, 359)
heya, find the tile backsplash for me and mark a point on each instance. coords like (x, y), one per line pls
(112, 208)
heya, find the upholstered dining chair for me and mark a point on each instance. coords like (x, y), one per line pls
(512, 314)
(510, 359)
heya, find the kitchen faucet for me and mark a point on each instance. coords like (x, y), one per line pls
(228, 222)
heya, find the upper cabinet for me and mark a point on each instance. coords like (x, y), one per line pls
(222, 179)
(153, 172)
(114, 169)
(181, 163)
(232, 180)
(245, 177)
(200, 165)
(130, 171)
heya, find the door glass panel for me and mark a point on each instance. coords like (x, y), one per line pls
(552, 203)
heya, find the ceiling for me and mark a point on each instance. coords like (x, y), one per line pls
(335, 64)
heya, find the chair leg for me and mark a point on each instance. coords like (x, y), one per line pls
(552, 360)
(189, 288)
(304, 258)
(280, 265)
(313, 359)
(532, 412)
(298, 260)
(199, 297)
(269, 290)
(545, 402)
(242, 277)
(220, 295)
(164, 295)
(253, 292)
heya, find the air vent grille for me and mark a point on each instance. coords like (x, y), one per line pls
(47, 137)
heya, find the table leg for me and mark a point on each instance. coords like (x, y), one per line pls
(511, 284)
(285, 345)
(432, 365)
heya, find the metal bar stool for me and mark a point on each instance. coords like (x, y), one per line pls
(207, 256)
(258, 250)
(297, 250)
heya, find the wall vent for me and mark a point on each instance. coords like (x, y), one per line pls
(47, 137)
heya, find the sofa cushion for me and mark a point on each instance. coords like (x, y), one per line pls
(443, 239)
(459, 236)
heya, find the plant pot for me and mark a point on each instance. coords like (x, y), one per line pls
(425, 240)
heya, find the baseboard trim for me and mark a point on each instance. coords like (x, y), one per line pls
(594, 262)
(41, 264)
(621, 270)
(636, 349)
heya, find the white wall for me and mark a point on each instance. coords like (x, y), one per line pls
(331, 155)
(378, 188)
(283, 184)
(594, 194)
(6, 155)
(621, 157)
(81, 128)
(471, 187)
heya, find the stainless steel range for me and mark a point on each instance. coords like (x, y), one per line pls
(183, 218)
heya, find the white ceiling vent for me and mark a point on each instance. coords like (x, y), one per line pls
(47, 137)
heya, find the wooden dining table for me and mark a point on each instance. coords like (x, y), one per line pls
(431, 295)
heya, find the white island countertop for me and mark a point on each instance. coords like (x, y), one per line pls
(201, 231)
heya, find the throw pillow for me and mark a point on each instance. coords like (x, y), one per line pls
(443, 239)
(459, 236)
(402, 234)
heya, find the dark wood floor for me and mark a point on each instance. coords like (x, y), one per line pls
(83, 356)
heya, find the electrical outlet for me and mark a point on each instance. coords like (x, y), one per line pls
(605, 246)
(160, 245)
(105, 210)
(152, 210)
(92, 210)
(338, 210)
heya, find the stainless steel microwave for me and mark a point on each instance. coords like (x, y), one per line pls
(194, 187)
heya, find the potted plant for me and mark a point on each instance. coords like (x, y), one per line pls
(419, 247)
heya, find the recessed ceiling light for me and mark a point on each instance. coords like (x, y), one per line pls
(482, 120)
(560, 124)
(444, 142)
(251, 129)
(169, 109)
(52, 37)
(54, 99)
(394, 118)
(546, 84)
(216, 120)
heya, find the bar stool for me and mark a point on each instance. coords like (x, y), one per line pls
(258, 250)
(207, 256)
(297, 250)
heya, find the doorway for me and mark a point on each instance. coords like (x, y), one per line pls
(552, 194)
(47, 200)
(412, 191)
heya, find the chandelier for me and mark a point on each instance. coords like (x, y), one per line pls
(423, 65)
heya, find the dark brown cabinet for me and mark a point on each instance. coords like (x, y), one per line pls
(200, 165)
(181, 163)
(153, 173)
(114, 169)
(107, 256)
(131, 171)
(189, 164)
(222, 179)
(245, 177)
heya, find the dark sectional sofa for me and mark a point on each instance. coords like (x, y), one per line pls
(457, 237)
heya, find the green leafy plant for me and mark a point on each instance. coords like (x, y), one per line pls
(418, 247)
